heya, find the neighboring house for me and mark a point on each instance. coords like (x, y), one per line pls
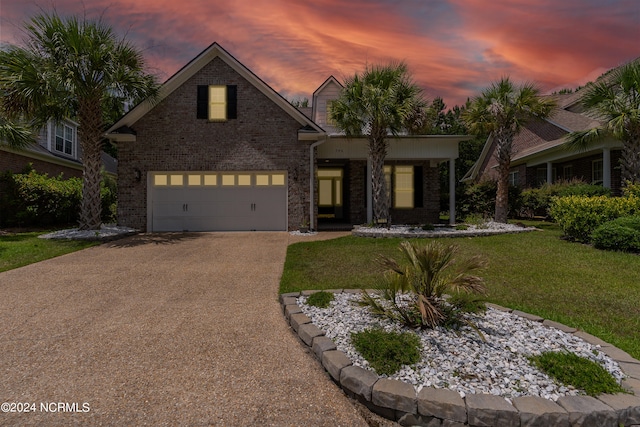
(221, 150)
(56, 152)
(539, 154)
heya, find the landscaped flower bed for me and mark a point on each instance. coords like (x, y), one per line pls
(459, 359)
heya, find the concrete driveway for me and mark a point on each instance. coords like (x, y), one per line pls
(167, 329)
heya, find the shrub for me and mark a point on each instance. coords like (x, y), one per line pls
(35, 199)
(537, 201)
(580, 216)
(579, 372)
(386, 352)
(413, 291)
(320, 299)
(480, 199)
(621, 234)
(631, 190)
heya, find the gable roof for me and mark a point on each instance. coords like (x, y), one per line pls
(121, 130)
(326, 83)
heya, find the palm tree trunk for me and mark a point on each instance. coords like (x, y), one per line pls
(630, 160)
(377, 154)
(90, 118)
(503, 154)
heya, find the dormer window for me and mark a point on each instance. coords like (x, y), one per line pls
(217, 103)
(65, 139)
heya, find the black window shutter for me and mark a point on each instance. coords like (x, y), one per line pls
(203, 102)
(232, 102)
(418, 190)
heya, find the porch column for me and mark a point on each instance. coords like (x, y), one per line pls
(606, 168)
(549, 173)
(369, 191)
(452, 191)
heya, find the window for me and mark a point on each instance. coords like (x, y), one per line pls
(262, 180)
(403, 188)
(597, 172)
(277, 179)
(217, 103)
(244, 180)
(514, 178)
(210, 180)
(401, 182)
(329, 187)
(567, 172)
(65, 139)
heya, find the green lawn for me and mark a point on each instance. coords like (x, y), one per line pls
(21, 249)
(535, 272)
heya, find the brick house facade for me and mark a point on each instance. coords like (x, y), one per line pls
(260, 166)
(539, 153)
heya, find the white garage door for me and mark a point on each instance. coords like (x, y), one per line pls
(218, 201)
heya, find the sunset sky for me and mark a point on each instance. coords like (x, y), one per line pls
(454, 48)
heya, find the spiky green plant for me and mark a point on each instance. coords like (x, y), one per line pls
(414, 289)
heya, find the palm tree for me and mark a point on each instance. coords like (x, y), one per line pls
(501, 110)
(74, 68)
(377, 104)
(615, 101)
(14, 135)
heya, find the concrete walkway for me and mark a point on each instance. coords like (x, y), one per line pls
(167, 329)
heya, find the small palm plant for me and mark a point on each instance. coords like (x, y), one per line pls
(414, 290)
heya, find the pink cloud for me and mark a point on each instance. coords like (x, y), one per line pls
(454, 48)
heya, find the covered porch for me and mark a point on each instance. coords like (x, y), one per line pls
(341, 179)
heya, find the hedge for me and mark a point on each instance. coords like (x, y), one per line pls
(33, 199)
(537, 201)
(580, 216)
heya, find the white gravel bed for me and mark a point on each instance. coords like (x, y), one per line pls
(106, 231)
(460, 360)
(490, 227)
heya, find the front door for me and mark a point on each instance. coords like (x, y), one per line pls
(330, 193)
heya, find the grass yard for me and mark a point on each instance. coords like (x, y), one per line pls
(19, 249)
(537, 272)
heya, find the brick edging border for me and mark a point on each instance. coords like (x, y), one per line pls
(398, 401)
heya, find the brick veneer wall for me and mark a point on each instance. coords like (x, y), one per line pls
(170, 138)
(17, 163)
(357, 192)
(430, 210)
(428, 213)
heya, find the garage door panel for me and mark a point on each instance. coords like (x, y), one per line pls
(197, 207)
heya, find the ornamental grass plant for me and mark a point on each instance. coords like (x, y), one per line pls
(413, 289)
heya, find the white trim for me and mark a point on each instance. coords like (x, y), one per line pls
(452, 191)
